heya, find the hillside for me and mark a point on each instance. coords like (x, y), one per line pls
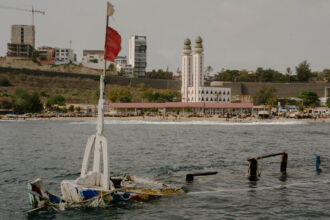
(28, 64)
(75, 90)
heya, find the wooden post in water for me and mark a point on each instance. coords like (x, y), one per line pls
(253, 169)
(253, 164)
(284, 162)
(317, 164)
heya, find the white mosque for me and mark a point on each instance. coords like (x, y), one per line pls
(193, 89)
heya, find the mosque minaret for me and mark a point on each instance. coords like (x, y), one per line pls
(193, 89)
(187, 77)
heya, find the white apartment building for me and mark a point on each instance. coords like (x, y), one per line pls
(94, 59)
(193, 89)
(122, 64)
(138, 54)
(64, 56)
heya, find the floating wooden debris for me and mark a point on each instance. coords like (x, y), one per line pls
(190, 177)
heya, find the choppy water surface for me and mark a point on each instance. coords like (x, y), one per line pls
(53, 150)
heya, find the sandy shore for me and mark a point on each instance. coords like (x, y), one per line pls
(157, 118)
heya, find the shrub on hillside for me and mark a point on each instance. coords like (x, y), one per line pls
(28, 103)
(55, 100)
(21, 93)
(5, 103)
(120, 95)
(4, 82)
(166, 96)
(71, 108)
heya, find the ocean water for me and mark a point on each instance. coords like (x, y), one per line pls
(167, 151)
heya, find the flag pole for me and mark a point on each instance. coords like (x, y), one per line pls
(105, 41)
(100, 121)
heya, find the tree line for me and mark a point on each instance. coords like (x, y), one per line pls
(303, 74)
(35, 102)
(267, 96)
(147, 95)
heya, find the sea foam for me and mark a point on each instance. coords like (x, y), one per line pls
(196, 122)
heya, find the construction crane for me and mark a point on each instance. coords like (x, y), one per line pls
(33, 11)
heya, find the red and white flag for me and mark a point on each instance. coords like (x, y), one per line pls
(112, 45)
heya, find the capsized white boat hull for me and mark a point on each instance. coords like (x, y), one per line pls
(125, 188)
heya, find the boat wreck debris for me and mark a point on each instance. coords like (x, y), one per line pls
(125, 187)
(254, 172)
(190, 177)
(94, 187)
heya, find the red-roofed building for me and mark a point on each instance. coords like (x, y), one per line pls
(182, 107)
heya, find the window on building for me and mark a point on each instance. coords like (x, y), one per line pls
(207, 99)
(202, 99)
(202, 91)
(207, 92)
(211, 92)
(224, 99)
(224, 92)
(228, 100)
(228, 93)
(211, 100)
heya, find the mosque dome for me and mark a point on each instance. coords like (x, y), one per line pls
(199, 42)
(187, 44)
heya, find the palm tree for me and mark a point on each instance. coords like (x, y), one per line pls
(288, 72)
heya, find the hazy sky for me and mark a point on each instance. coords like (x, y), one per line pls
(238, 34)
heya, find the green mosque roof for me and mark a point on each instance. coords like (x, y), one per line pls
(187, 44)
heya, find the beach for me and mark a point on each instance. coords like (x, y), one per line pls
(169, 118)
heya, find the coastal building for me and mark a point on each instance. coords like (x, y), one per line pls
(22, 41)
(123, 66)
(64, 56)
(46, 55)
(180, 108)
(94, 59)
(138, 55)
(192, 88)
(324, 100)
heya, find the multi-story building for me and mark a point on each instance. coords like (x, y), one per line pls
(64, 55)
(193, 89)
(22, 41)
(46, 55)
(94, 59)
(23, 34)
(138, 54)
(122, 65)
